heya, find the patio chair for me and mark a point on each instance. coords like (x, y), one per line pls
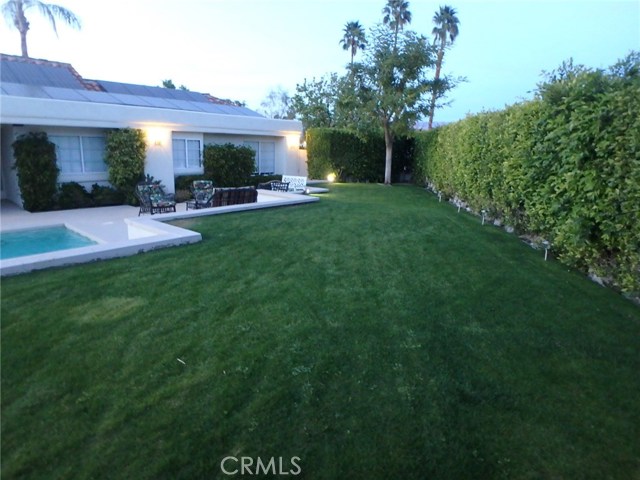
(278, 186)
(202, 191)
(274, 185)
(296, 184)
(153, 199)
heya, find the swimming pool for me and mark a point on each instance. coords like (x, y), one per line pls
(40, 240)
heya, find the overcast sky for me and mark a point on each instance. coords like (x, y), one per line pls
(240, 49)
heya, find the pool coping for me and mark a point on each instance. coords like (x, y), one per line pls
(166, 235)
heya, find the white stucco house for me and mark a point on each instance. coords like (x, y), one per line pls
(76, 113)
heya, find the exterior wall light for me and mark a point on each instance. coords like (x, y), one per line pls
(155, 136)
(293, 141)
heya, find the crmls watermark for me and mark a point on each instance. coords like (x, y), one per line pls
(258, 466)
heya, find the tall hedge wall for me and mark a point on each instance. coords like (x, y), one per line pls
(354, 156)
(565, 166)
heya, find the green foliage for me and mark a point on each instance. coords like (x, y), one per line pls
(319, 159)
(228, 165)
(184, 182)
(73, 195)
(322, 103)
(125, 156)
(354, 157)
(106, 196)
(393, 84)
(342, 152)
(37, 170)
(565, 166)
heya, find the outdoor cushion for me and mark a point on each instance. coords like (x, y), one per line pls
(202, 191)
(153, 199)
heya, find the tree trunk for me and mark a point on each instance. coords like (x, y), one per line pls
(433, 95)
(21, 23)
(23, 43)
(388, 143)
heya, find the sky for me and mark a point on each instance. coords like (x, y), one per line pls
(242, 49)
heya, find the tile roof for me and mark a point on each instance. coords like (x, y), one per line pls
(20, 76)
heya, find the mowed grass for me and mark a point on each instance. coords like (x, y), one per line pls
(376, 334)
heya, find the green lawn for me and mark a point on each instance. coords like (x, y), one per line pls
(376, 334)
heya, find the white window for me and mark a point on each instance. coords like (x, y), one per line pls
(186, 154)
(265, 156)
(79, 154)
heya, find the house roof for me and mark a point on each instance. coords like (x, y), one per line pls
(28, 77)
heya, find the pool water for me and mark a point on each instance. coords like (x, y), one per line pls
(41, 240)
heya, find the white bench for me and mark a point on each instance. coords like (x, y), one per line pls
(296, 184)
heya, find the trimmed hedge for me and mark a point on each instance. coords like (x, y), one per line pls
(73, 195)
(565, 166)
(228, 165)
(355, 157)
(37, 170)
(125, 155)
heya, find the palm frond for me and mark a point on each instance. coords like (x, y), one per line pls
(10, 11)
(53, 12)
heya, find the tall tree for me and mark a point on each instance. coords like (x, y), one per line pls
(396, 16)
(354, 39)
(315, 101)
(168, 83)
(332, 101)
(14, 13)
(393, 83)
(445, 33)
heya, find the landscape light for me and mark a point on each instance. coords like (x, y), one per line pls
(331, 177)
(484, 212)
(546, 245)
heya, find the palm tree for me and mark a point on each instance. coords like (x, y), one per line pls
(353, 39)
(445, 32)
(14, 12)
(396, 15)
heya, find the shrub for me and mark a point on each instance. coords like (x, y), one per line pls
(319, 158)
(106, 196)
(125, 157)
(357, 157)
(565, 166)
(228, 165)
(73, 195)
(37, 170)
(184, 182)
